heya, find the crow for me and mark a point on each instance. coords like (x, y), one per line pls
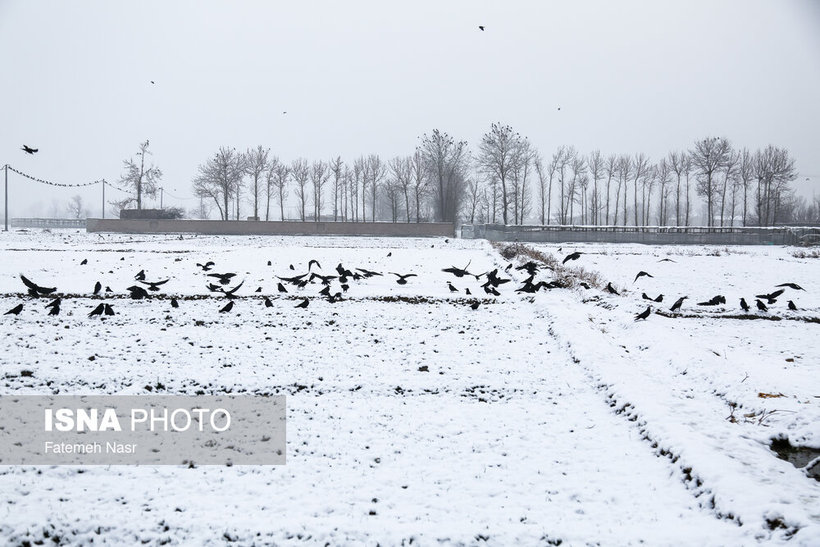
(268, 303)
(771, 298)
(325, 279)
(659, 298)
(15, 310)
(642, 274)
(450, 286)
(230, 293)
(492, 290)
(292, 280)
(402, 279)
(390, 254)
(743, 305)
(481, 28)
(97, 288)
(678, 303)
(494, 280)
(475, 305)
(367, 273)
(345, 286)
(761, 306)
(610, 289)
(108, 289)
(291, 267)
(56, 302)
(227, 307)
(530, 267)
(55, 310)
(467, 291)
(137, 292)
(154, 285)
(644, 314)
(584, 285)
(213, 287)
(325, 291)
(572, 256)
(270, 263)
(312, 262)
(140, 275)
(174, 303)
(207, 266)
(29, 150)
(258, 289)
(304, 303)
(792, 306)
(343, 272)
(36, 290)
(666, 260)
(281, 288)
(509, 266)
(109, 310)
(646, 297)
(223, 278)
(97, 311)
(794, 286)
(458, 272)
(84, 262)
(714, 301)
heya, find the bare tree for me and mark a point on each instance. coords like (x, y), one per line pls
(420, 182)
(218, 178)
(393, 197)
(445, 161)
(376, 170)
(578, 165)
(774, 170)
(270, 183)
(676, 161)
(142, 179)
(319, 176)
(300, 172)
(256, 165)
(640, 169)
(596, 173)
(475, 190)
(729, 179)
(337, 170)
(76, 207)
(360, 176)
(746, 174)
(401, 172)
(624, 174)
(611, 168)
(279, 174)
(663, 176)
(708, 157)
(500, 154)
(563, 158)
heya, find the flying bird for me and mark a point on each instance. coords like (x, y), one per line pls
(154, 285)
(666, 260)
(29, 150)
(84, 262)
(15, 310)
(458, 272)
(481, 28)
(678, 303)
(743, 305)
(140, 275)
(714, 301)
(642, 274)
(223, 278)
(230, 293)
(55, 310)
(36, 290)
(137, 292)
(572, 256)
(207, 266)
(227, 307)
(312, 262)
(367, 273)
(304, 303)
(402, 279)
(771, 298)
(644, 314)
(794, 286)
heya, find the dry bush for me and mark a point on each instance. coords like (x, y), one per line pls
(567, 276)
(815, 253)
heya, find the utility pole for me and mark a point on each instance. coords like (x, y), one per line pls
(6, 168)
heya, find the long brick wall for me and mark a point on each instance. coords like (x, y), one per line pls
(242, 227)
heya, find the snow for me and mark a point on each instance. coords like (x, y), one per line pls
(541, 418)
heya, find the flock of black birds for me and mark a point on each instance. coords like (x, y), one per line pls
(220, 283)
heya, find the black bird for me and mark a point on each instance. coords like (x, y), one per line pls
(227, 307)
(402, 279)
(771, 298)
(213, 287)
(642, 274)
(84, 262)
(714, 301)
(270, 263)
(572, 256)
(367, 273)
(530, 267)
(231, 292)
(56, 302)
(492, 290)
(761, 306)
(467, 291)
(293, 280)
(666, 260)
(343, 272)
(475, 305)
(610, 289)
(15, 310)
(794, 286)
(140, 275)
(509, 266)
(644, 314)
(390, 254)
(281, 288)
(174, 303)
(584, 285)
(325, 291)
(97, 287)
(137, 292)
(481, 28)
(450, 286)
(312, 262)
(35, 289)
(743, 305)
(29, 150)
(678, 303)
(223, 278)
(325, 279)
(345, 286)
(97, 311)
(291, 267)
(258, 289)
(108, 289)
(154, 285)
(304, 303)
(207, 266)
(646, 297)
(458, 272)
(792, 306)
(55, 310)
(109, 310)
(268, 303)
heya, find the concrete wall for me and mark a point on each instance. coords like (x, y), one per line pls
(241, 227)
(650, 235)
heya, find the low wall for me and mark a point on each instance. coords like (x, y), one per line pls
(650, 235)
(242, 227)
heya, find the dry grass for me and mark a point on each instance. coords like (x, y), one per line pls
(567, 276)
(814, 253)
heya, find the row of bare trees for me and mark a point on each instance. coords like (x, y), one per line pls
(509, 182)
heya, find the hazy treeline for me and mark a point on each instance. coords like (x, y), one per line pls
(507, 180)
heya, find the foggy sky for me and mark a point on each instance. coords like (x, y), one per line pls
(360, 77)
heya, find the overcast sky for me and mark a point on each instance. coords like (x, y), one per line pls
(361, 77)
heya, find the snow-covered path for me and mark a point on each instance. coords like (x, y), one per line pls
(508, 437)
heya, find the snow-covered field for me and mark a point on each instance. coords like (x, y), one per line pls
(539, 419)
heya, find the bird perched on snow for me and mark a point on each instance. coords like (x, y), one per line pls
(268, 303)
(572, 256)
(281, 288)
(174, 303)
(227, 307)
(450, 286)
(792, 306)
(610, 289)
(137, 292)
(475, 305)
(15, 310)
(402, 278)
(97, 311)
(108, 310)
(140, 275)
(678, 303)
(642, 274)
(761, 306)
(644, 314)
(743, 305)
(84, 262)
(481, 28)
(304, 303)
(97, 288)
